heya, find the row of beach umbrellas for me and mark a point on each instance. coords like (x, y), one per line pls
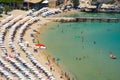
(4, 21)
(10, 24)
(29, 54)
(3, 32)
(50, 12)
(15, 23)
(13, 27)
(11, 69)
(18, 66)
(37, 13)
(30, 21)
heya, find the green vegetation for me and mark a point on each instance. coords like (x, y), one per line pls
(94, 0)
(10, 4)
(116, 0)
(110, 2)
(8, 1)
(107, 1)
(6, 9)
(1, 11)
(75, 3)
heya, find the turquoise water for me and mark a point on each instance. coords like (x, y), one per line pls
(84, 48)
(104, 15)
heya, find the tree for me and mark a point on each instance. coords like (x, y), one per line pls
(6, 9)
(75, 3)
(12, 3)
(8, 1)
(1, 11)
(94, 0)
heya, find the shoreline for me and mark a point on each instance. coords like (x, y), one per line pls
(60, 67)
(58, 72)
(44, 57)
(66, 75)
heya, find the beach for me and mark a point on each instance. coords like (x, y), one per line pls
(87, 46)
(84, 49)
(42, 57)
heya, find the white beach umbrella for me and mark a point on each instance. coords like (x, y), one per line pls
(9, 18)
(26, 24)
(6, 25)
(29, 12)
(44, 8)
(5, 73)
(14, 26)
(12, 69)
(4, 51)
(45, 1)
(35, 14)
(1, 25)
(18, 18)
(11, 22)
(18, 23)
(43, 79)
(31, 21)
(4, 21)
(52, 78)
(25, 19)
(22, 45)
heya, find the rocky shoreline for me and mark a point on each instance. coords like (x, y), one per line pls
(83, 19)
(99, 6)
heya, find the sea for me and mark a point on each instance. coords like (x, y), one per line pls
(84, 48)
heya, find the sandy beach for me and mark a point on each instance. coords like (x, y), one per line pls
(27, 53)
(41, 55)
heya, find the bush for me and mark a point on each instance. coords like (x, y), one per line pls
(6, 9)
(8, 1)
(75, 3)
(94, 0)
(1, 11)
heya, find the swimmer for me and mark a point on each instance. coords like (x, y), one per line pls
(76, 58)
(94, 42)
(83, 47)
(79, 58)
(82, 38)
(81, 32)
(84, 57)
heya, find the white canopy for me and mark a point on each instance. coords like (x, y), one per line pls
(18, 18)
(6, 25)
(7, 19)
(45, 1)
(29, 12)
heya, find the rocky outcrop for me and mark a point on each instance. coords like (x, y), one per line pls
(100, 5)
(84, 3)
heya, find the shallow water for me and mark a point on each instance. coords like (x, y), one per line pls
(84, 48)
(103, 15)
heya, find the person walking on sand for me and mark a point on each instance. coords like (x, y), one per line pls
(33, 40)
(27, 43)
(31, 35)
